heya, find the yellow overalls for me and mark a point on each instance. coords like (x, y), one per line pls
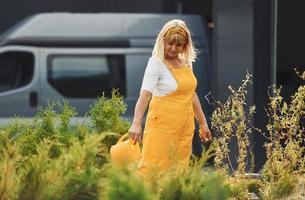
(169, 126)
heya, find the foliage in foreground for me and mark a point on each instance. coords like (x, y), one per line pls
(50, 158)
(196, 183)
(285, 149)
(231, 122)
(106, 114)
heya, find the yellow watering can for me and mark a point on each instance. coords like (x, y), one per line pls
(125, 152)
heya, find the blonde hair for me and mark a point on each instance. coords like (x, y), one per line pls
(176, 30)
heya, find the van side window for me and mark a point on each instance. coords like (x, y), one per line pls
(76, 76)
(16, 69)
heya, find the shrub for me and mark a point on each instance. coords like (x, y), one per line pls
(125, 185)
(232, 121)
(285, 150)
(195, 183)
(9, 158)
(73, 175)
(106, 114)
(50, 158)
(280, 189)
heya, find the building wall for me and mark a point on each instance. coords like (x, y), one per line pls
(290, 46)
(12, 11)
(233, 44)
(261, 73)
(233, 50)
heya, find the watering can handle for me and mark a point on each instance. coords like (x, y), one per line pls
(122, 138)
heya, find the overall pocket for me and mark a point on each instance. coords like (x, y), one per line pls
(152, 119)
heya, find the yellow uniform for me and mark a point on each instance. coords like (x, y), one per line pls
(170, 126)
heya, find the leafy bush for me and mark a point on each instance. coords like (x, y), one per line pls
(195, 183)
(105, 114)
(232, 121)
(9, 157)
(47, 124)
(125, 185)
(72, 175)
(285, 150)
(280, 189)
(50, 158)
(241, 187)
(285, 147)
(196, 186)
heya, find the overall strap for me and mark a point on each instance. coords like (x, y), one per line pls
(168, 65)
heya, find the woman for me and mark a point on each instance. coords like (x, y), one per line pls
(169, 88)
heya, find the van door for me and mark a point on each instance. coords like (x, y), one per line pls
(19, 84)
(80, 75)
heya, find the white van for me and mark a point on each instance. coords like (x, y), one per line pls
(76, 57)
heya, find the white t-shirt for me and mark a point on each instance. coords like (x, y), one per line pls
(158, 79)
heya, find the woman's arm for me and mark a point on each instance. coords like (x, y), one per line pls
(204, 131)
(135, 130)
(150, 79)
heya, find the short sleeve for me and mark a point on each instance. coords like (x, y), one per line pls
(151, 75)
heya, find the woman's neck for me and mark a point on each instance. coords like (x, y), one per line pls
(176, 62)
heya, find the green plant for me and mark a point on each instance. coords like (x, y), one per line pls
(17, 127)
(9, 158)
(194, 185)
(66, 112)
(242, 186)
(45, 120)
(72, 175)
(51, 122)
(230, 120)
(255, 186)
(196, 182)
(50, 158)
(106, 113)
(281, 189)
(125, 185)
(107, 140)
(285, 150)
(31, 180)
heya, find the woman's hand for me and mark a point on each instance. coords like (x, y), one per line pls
(205, 133)
(135, 132)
